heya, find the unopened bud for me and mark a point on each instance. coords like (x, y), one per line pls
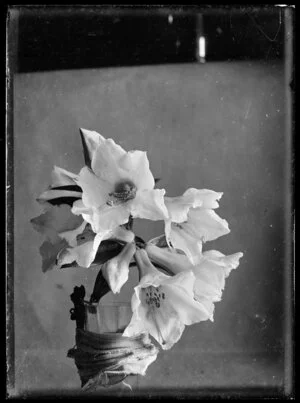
(122, 234)
(116, 270)
(144, 263)
(172, 261)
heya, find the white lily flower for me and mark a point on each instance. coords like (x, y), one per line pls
(211, 273)
(163, 305)
(116, 270)
(179, 206)
(85, 250)
(116, 185)
(211, 270)
(192, 221)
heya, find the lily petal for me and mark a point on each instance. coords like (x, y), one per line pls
(110, 217)
(179, 207)
(122, 234)
(80, 208)
(203, 197)
(149, 204)
(91, 140)
(95, 190)
(87, 213)
(136, 165)
(105, 162)
(211, 273)
(62, 177)
(205, 224)
(167, 328)
(179, 290)
(168, 258)
(181, 239)
(228, 262)
(116, 270)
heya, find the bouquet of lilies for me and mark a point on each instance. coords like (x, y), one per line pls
(88, 222)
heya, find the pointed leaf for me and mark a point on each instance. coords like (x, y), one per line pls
(101, 288)
(63, 200)
(107, 250)
(71, 188)
(86, 154)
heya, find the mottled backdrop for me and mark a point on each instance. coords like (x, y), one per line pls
(219, 126)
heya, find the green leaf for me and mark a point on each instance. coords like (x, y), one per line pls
(101, 288)
(87, 157)
(107, 250)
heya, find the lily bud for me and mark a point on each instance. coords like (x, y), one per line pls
(123, 234)
(143, 262)
(116, 270)
(172, 261)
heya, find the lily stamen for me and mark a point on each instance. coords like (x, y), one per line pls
(154, 300)
(124, 191)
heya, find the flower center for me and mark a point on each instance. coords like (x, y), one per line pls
(153, 297)
(123, 192)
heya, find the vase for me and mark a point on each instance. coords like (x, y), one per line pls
(102, 355)
(109, 317)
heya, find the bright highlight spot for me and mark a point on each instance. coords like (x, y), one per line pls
(202, 46)
(170, 19)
